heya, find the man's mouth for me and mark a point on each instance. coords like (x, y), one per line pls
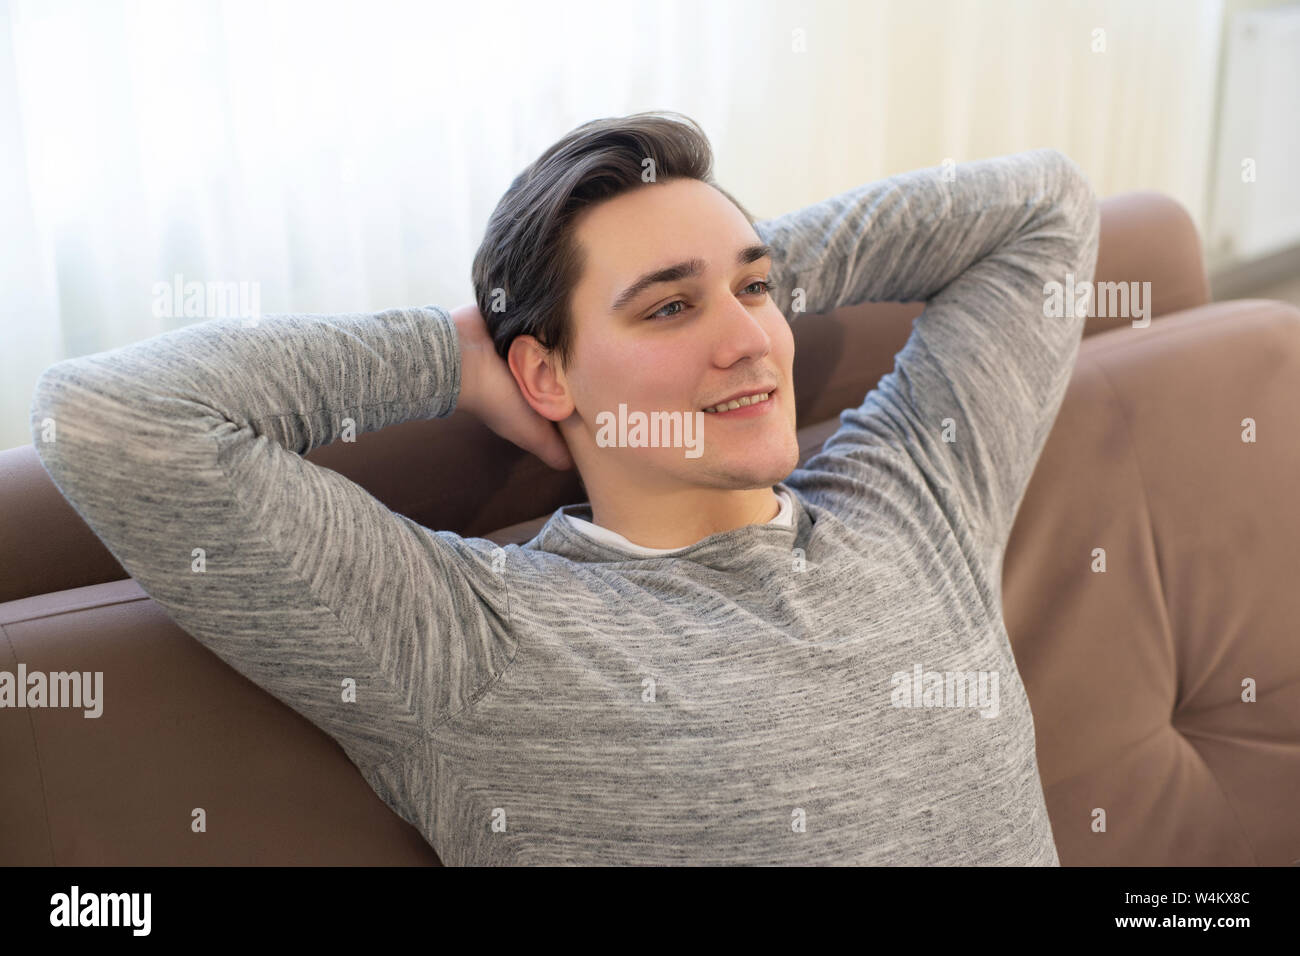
(744, 401)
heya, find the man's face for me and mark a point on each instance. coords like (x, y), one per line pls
(680, 345)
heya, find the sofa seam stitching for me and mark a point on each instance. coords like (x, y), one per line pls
(36, 753)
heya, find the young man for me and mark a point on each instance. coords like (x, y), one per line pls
(719, 659)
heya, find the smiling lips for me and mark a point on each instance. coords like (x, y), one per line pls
(745, 401)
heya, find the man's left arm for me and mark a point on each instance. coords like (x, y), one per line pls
(975, 389)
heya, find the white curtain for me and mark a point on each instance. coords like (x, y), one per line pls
(345, 156)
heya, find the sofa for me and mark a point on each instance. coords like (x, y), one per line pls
(1148, 591)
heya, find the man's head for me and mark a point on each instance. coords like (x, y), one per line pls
(579, 279)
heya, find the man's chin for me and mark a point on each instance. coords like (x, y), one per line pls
(742, 475)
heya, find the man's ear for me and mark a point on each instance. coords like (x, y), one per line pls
(540, 379)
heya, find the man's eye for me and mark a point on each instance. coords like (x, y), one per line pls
(766, 289)
(656, 314)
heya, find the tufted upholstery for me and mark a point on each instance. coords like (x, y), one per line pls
(1134, 675)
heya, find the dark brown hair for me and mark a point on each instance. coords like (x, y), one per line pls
(528, 250)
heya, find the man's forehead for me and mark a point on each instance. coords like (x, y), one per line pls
(659, 211)
(662, 227)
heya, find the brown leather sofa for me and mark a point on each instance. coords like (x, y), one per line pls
(1135, 675)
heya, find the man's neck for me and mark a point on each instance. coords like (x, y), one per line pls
(679, 519)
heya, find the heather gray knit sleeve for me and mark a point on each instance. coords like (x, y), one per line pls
(183, 454)
(977, 386)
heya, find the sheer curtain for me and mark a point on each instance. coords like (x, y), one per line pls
(345, 156)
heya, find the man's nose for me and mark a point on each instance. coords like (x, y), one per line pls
(740, 334)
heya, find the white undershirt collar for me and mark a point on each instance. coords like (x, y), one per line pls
(784, 518)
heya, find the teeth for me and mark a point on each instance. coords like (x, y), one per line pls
(740, 402)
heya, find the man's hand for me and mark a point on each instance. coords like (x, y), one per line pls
(488, 391)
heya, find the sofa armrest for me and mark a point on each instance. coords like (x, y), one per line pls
(1147, 236)
(172, 729)
(45, 545)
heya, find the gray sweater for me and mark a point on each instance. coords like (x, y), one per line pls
(769, 695)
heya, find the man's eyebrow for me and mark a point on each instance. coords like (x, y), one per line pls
(685, 270)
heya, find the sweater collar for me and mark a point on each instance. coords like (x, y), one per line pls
(559, 537)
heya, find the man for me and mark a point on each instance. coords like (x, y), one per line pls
(718, 659)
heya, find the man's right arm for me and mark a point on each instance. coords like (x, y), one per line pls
(183, 453)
